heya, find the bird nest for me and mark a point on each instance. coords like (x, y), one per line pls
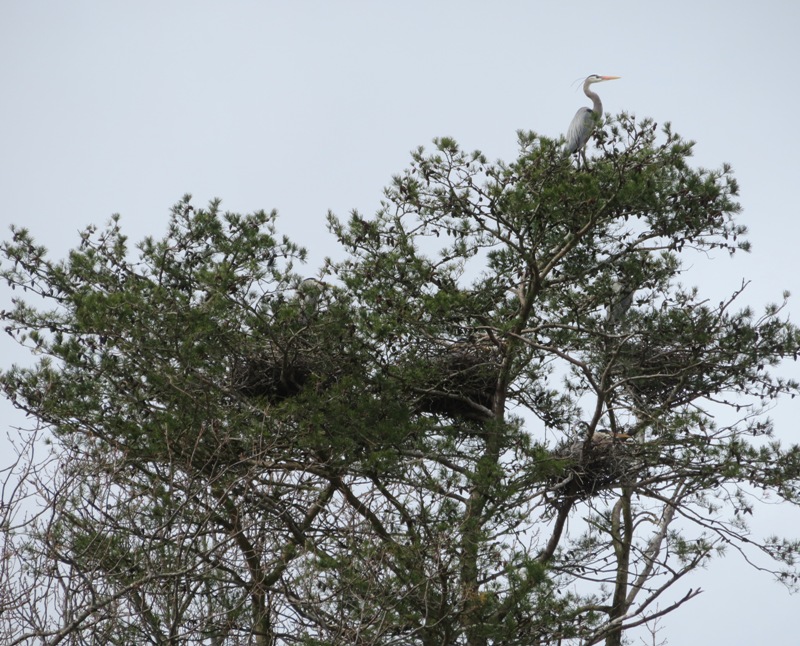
(604, 462)
(293, 353)
(278, 372)
(460, 380)
(657, 373)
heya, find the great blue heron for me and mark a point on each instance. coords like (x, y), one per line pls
(600, 435)
(584, 121)
(604, 436)
(309, 293)
(621, 302)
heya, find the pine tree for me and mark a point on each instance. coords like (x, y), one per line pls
(501, 419)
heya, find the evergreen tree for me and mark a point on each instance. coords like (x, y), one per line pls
(500, 420)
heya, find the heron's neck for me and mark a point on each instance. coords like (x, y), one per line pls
(597, 106)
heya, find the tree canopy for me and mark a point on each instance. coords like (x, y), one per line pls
(499, 418)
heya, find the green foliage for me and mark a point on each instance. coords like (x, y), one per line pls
(462, 436)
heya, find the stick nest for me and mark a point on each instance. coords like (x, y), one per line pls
(460, 380)
(606, 462)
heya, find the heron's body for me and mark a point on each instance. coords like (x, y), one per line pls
(585, 119)
(309, 293)
(622, 301)
(581, 128)
(602, 436)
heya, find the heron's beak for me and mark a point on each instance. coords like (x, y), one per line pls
(610, 78)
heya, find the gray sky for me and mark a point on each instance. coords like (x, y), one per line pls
(113, 107)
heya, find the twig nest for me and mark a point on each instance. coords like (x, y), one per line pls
(276, 373)
(294, 352)
(607, 460)
(660, 372)
(460, 380)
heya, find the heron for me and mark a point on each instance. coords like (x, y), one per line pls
(600, 435)
(309, 293)
(584, 121)
(621, 302)
(604, 436)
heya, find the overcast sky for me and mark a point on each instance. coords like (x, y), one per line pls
(122, 107)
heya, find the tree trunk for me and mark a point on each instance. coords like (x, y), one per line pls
(621, 535)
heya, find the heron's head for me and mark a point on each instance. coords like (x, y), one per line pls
(596, 78)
